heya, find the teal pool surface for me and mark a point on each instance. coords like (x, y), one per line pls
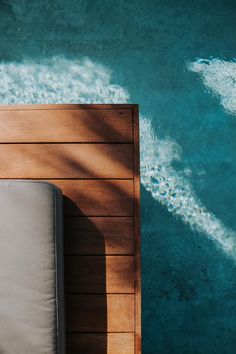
(177, 60)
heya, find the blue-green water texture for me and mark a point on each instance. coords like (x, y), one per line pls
(176, 59)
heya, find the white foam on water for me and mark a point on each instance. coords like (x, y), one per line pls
(172, 188)
(219, 77)
(65, 81)
(58, 81)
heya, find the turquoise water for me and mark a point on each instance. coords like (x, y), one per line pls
(176, 59)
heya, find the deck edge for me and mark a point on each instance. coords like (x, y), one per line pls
(137, 270)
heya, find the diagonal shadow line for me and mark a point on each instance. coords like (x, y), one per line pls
(81, 318)
(62, 160)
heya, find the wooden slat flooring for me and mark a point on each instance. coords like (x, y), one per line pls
(100, 313)
(97, 197)
(99, 235)
(66, 161)
(69, 125)
(85, 274)
(99, 343)
(91, 152)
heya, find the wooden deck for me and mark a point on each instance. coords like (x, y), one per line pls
(92, 153)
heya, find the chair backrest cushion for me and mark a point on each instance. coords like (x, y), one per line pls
(31, 268)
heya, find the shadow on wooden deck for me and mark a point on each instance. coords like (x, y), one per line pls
(81, 314)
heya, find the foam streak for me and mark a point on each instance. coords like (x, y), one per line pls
(219, 77)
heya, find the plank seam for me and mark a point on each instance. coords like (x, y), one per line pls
(67, 143)
(95, 294)
(102, 255)
(81, 332)
(99, 216)
(70, 179)
(75, 107)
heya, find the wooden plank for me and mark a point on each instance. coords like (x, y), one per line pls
(97, 198)
(99, 274)
(138, 346)
(100, 313)
(98, 235)
(66, 125)
(71, 106)
(93, 343)
(66, 161)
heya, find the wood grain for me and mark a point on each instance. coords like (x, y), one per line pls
(137, 269)
(66, 125)
(98, 235)
(91, 152)
(98, 274)
(100, 313)
(70, 106)
(66, 161)
(97, 197)
(91, 343)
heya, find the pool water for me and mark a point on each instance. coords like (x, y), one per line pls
(177, 60)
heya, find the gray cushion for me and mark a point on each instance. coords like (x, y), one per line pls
(31, 268)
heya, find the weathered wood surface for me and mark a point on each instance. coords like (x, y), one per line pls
(91, 152)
